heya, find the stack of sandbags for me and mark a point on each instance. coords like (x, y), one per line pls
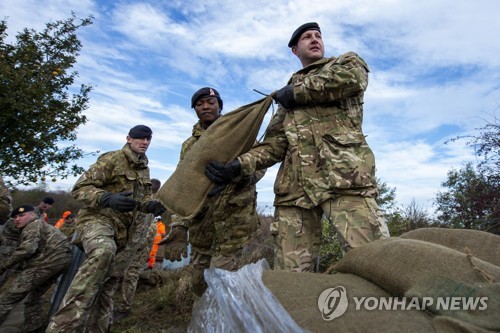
(417, 268)
(480, 244)
(299, 294)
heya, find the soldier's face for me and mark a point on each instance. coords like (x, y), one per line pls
(139, 146)
(44, 206)
(310, 47)
(20, 220)
(208, 110)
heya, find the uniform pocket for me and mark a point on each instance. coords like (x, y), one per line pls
(348, 159)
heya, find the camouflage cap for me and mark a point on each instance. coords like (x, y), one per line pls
(140, 132)
(22, 209)
(205, 92)
(300, 30)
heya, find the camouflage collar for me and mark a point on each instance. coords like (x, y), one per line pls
(139, 161)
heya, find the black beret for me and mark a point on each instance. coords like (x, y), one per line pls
(300, 30)
(48, 200)
(205, 92)
(22, 209)
(140, 132)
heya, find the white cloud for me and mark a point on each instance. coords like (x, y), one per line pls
(434, 71)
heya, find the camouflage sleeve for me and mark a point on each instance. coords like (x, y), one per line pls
(88, 188)
(177, 220)
(28, 245)
(343, 77)
(270, 151)
(5, 202)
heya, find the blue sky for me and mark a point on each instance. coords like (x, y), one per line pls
(434, 72)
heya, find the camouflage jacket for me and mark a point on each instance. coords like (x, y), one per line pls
(117, 171)
(39, 243)
(320, 142)
(230, 218)
(5, 202)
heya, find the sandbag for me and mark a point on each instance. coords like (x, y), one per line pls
(481, 299)
(482, 245)
(396, 264)
(231, 135)
(299, 293)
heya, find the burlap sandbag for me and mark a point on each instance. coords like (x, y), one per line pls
(299, 293)
(482, 245)
(483, 301)
(231, 135)
(397, 264)
(443, 324)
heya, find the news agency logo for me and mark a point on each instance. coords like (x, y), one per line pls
(333, 303)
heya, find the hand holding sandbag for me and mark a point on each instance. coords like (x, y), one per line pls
(221, 173)
(155, 207)
(118, 201)
(284, 96)
(176, 243)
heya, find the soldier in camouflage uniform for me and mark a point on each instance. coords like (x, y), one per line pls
(114, 189)
(5, 209)
(327, 166)
(5, 202)
(9, 238)
(228, 222)
(45, 252)
(69, 226)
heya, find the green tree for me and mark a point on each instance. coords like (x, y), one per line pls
(406, 218)
(39, 116)
(471, 200)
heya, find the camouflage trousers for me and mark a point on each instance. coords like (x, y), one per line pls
(297, 231)
(33, 282)
(93, 287)
(200, 262)
(139, 255)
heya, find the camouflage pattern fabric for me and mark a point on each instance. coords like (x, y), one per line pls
(9, 239)
(322, 148)
(139, 255)
(68, 229)
(103, 233)
(45, 253)
(5, 202)
(200, 262)
(297, 238)
(357, 220)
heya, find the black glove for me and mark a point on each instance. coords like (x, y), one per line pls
(118, 201)
(176, 243)
(284, 96)
(155, 207)
(216, 190)
(221, 173)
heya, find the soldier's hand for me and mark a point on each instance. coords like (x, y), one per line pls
(176, 243)
(118, 201)
(155, 207)
(221, 173)
(284, 96)
(216, 190)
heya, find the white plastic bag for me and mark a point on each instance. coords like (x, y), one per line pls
(240, 302)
